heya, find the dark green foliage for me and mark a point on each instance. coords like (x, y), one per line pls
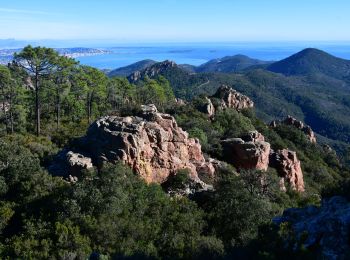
(112, 213)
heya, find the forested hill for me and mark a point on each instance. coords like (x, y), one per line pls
(126, 71)
(230, 64)
(314, 89)
(313, 61)
(97, 167)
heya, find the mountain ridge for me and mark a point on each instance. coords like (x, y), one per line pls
(311, 60)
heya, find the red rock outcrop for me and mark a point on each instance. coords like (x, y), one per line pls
(291, 121)
(249, 152)
(152, 144)
(231, 98)
(288, 167)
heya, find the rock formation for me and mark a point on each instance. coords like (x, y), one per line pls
(288, 167)
(252, 152)
(291, 121)
(324, 230)
(230, 98)
(207, 108)
(249, 152)
(151, 143)
(78, 162)
(225, 97)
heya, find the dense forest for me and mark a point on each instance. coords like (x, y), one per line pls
(47, 101)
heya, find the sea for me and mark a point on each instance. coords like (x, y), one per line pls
(199, 53)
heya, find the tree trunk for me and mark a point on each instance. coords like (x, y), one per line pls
(11, 122)
(58, 108)
(4, 110)
(11, 110)
(89, 107)
(37, 104)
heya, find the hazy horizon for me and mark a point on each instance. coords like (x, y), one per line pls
(176, 21)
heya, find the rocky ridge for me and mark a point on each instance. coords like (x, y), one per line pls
(151, 71)
(291, 121)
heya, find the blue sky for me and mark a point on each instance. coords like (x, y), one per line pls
(176, 20)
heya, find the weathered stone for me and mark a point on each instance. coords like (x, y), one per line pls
(152, 144)
(77, 162)
(230, 98)
(207, 108)
(151, 108)
(288, 168)
(249, 152)
(324, 230)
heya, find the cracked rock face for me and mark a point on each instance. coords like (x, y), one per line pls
(288, 167)
(152, 144)
(249, 152)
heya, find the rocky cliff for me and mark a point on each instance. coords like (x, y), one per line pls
(288, 167)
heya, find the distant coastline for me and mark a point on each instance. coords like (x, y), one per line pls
(111, 55)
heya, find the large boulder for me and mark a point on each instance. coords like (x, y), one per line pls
(249, 152)
(151, 143)
(230, 98)
(289, 169)
(324, 230)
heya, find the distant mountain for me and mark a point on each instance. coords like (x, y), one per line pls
(320, 100)
(312, 61)
(230, 64)
(127, 70)
(180, 77)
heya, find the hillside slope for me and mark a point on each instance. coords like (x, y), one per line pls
(127, 70)
(311, 61)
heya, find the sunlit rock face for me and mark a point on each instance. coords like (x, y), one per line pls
(151, 143)
(289, 169)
